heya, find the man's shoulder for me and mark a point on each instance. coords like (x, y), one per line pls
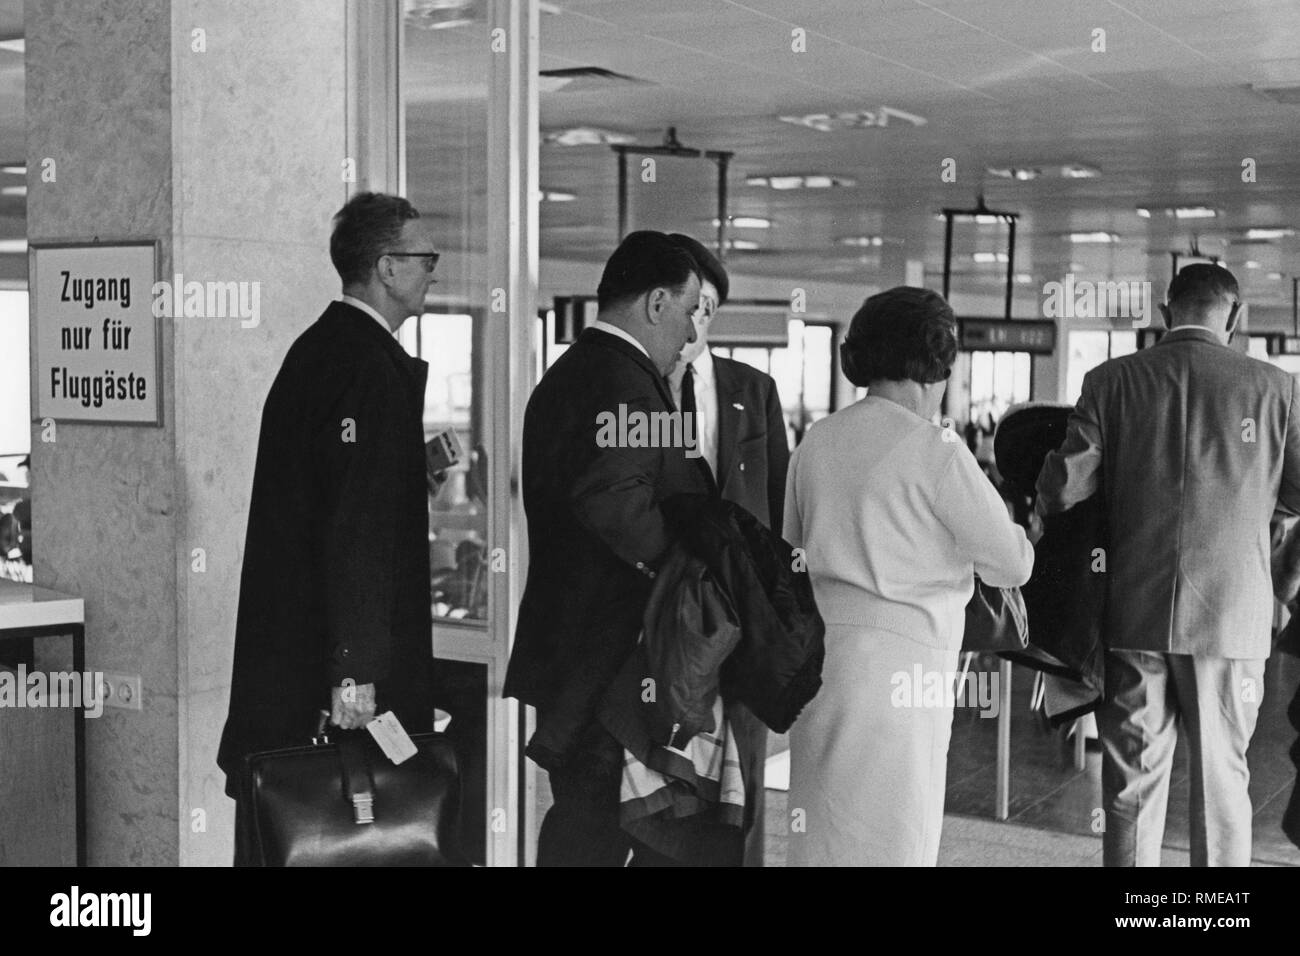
(743, 374)
(1204, 355)
(594, 365)
(339, 337)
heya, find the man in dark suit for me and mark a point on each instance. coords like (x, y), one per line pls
(334, 597)
(742, 436)
(596, 535)
(1192, 446)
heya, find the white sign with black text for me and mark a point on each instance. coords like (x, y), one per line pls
(94, 333)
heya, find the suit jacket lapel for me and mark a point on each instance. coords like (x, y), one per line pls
(728, 419)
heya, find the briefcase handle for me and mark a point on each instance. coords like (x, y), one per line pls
(358, 781)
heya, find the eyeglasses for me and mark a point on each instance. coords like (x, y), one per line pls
(707, 308)
(430, 259)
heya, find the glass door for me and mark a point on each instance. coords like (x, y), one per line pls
(470, 153)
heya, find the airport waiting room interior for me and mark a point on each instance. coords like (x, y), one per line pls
(829, 150)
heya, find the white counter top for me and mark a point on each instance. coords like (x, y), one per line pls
(26, 605)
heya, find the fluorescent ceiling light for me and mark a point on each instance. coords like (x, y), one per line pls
(1195, 212)
(985, 257)
(14, 170)
(13, 245)
(1092, 238)
(1079, 171)
(1274, 275)
(1143, 213)
(554, 195)
(862, 242)
(1024, 277)
(745, 222)
(1252, 264)
(14, 46)
(1266, 235)
(1021, 173)
(811, 181)
(980, 220)
(588, 136)
(742, 245)
(13, 191)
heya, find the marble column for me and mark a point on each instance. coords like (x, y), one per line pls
(218, 128)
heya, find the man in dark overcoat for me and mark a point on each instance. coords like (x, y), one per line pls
(334, 603)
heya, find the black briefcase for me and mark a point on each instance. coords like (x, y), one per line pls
(341, 802)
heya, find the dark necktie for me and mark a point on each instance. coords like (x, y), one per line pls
(688, 392)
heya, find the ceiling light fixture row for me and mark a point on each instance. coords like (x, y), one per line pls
(1181, 212)
(1045, 170)
(809, 181)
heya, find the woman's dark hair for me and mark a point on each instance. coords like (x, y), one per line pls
(903, 333)
(368, 225)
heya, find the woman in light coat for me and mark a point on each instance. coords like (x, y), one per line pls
(894, 517)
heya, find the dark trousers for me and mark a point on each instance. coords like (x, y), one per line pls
(581, 828)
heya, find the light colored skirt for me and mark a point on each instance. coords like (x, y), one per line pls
(868, 771)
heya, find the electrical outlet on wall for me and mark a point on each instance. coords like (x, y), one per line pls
(122, 691)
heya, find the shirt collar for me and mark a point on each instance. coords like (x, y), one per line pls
(1199, 328)
(368, 310)
(623, 334)
(702, 366)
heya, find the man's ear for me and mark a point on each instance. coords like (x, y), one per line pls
(1165, 316)
(656, 302)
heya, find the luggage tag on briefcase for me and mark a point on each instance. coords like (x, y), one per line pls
(391, 737)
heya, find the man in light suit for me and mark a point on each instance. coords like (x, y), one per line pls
(742, 436)
(1191, 445)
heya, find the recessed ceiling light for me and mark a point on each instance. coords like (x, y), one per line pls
(588, 136)
(811, 181)
(1252, 264)
(13, 245)
(985, 257)
(555, 195)
(861, 242)
(1267, 235)
(14, 170)
(13, 191)
(1143, 213)
(1274, 275)
(1092, 238)
(1024, 277)
(745, 222)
